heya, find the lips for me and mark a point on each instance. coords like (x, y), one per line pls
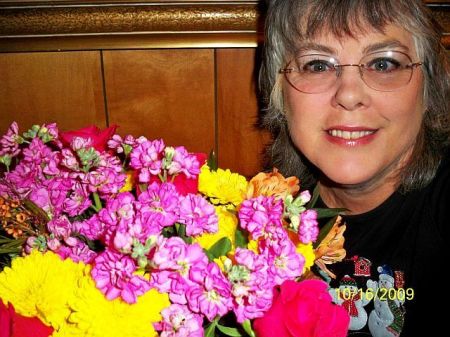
(350, 135)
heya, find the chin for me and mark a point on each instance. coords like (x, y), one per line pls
(354, 176)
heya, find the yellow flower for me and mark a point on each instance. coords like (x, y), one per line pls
(253, 245)
(41, 285)
(308, 252)
(98, 317)
(227, 228)
(129, 182)
(222, 186)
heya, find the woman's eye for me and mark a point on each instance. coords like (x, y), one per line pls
(383, 65)
(316, 66)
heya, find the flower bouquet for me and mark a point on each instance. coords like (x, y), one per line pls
(108, 236)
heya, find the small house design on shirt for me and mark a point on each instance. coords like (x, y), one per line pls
(362, 266)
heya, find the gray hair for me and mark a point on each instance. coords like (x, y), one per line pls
(289, 22)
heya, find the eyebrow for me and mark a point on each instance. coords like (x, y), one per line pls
(308, 46)
(389, 44)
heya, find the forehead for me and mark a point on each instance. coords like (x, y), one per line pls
(391, 37)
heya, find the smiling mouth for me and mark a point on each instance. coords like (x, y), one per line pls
(350, 135)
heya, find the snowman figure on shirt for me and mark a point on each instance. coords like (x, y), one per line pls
(353, 300)
(387, 317)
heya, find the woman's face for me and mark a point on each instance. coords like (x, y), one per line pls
(382, 126)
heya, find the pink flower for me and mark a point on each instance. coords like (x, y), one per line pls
(77, 251)
(60, 227)
(198, 215)
(98, 138)
(9, 143)
(256, 213)
(114, 276)
(309, 227)
(184, 162)
(175, 255)
(303, 309)
(160, 201)
(211, 295)
(286, 264)
(179, 321)
(147, 157)
(251, 285)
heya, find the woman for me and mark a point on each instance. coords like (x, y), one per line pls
(358, 101)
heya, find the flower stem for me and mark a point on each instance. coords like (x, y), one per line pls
(98, 204)
(247, 325)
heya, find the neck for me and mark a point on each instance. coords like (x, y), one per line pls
(356, 199)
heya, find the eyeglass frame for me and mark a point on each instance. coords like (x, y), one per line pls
(361, 66)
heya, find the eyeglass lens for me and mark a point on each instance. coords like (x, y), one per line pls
(382, 71)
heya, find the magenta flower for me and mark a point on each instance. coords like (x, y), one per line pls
(175, 255)
(179, 321)
(160, 204)
(69, 160)
(78, 251)
(198, 215)
(60, 227)
(91, 228)
(41, 198)
(309, 227)
(172, 263)
(256, 213)
(251, 285)
(114, 276)
(211, 294)
(23, 177)
(105, 181)
(286, 264)
(36, 152)
(78, 143)
(9, 143)
(184, 162)
(147, 156)
(77, 201)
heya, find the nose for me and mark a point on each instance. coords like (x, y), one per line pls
(350, 90)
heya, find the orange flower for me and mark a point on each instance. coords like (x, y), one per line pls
(272, 184)
(331, 248)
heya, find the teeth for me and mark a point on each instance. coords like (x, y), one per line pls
(349, 134)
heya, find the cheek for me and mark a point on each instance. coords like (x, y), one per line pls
(405, 109)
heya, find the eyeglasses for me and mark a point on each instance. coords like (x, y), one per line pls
(382, 71)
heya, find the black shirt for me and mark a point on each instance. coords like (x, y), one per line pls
(399, 246)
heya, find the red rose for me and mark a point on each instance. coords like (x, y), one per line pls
(15, 325)
(186, 185)
(303, 309)
(99, 138)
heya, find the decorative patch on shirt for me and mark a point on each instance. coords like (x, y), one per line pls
(374, 298)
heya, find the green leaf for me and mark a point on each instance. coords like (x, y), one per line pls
(212, 161)
(35, 209)
(209, 255)
(181, 232)
(328, 212)
(241, 239)
(315, 197)
(220, 248)
(211, 328)
(233, 332)
(247, 325)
